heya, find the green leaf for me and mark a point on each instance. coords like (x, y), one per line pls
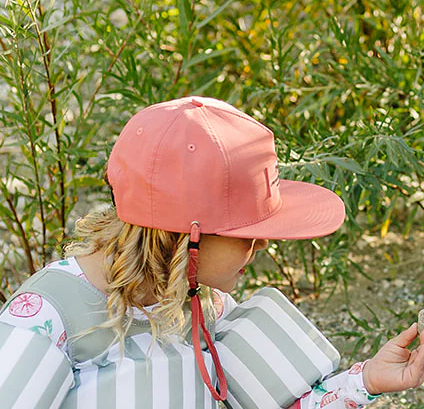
(206, 56)
(376, 344)
(345, 163)
(58, 23)
(357, 346)
(86, 181)
(218, 11)
(6, 21)
(185, 14)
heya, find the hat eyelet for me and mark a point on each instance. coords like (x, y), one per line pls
(140, 131)
(191, 147)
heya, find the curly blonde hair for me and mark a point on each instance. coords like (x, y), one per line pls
(139, 262)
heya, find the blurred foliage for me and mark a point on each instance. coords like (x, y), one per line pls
(339, 82)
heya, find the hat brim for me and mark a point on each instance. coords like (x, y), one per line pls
(307, 211)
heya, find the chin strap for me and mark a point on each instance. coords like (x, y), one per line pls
(198, 319)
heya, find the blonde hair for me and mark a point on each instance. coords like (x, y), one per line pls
(140, 262)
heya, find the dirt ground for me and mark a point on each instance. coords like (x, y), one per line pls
(387, 304)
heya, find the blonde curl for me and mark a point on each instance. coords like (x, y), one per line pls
(140, 263)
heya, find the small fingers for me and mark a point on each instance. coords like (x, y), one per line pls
(406, 337)
(417, 366)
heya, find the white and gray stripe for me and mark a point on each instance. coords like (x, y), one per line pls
(271, 353)
(34, 372)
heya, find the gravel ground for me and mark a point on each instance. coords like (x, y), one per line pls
(387, 304)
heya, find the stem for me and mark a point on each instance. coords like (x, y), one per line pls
(137, 12)
(189, 46)
(315, 272)
(33, 153)
(3, 46)
(115, 58)
(23, 237)
(45, 49)
(18, 280)
(288, 276)
(402, 191)
(109, 68)
(177, 76)
(2, 297)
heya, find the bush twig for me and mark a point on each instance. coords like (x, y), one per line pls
(45, 50)
(28, 124)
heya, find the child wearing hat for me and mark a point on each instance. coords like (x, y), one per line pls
(137, 313)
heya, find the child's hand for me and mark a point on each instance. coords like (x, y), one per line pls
(394, 367)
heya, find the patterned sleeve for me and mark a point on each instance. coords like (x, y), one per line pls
(34, 372)
(343, 391)
(31, 311)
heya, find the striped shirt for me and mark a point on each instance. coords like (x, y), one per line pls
(36, 371)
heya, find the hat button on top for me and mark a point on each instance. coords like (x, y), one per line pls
(196, 102)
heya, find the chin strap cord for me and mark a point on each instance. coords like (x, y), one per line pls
(198, 319)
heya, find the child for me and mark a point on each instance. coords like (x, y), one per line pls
(197, 193)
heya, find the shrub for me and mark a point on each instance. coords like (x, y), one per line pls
(339, 83)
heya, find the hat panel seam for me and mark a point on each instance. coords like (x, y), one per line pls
(216, 140)
(263, 216)
(154, 163)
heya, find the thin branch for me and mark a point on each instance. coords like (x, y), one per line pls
(317, 280)
(4, 47)
(177, 76)
(189, 46)
(12, 268)
(115, 58)
(137, 12)
(109, 68)
(288, 276)
(23, 236)
(45, 49)
(32, 149)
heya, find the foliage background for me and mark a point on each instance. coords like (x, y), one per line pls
(339, 82)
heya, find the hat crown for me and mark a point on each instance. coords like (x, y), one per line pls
(194, 159)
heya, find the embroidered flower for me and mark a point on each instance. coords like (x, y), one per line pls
(26, 305)
(350, 404)
(328, 398)
(356, 369)
(62, 339)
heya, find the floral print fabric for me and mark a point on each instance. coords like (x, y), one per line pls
(343, 391)
(30, 311)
